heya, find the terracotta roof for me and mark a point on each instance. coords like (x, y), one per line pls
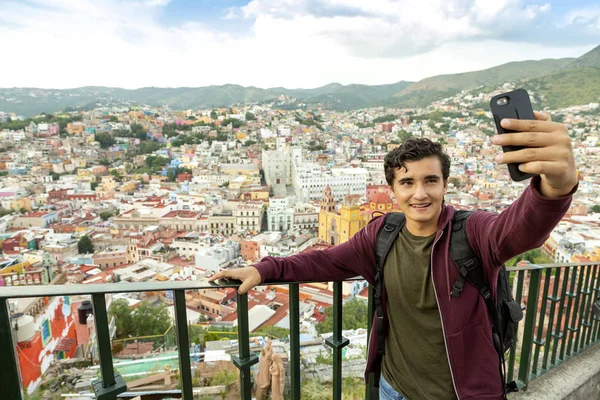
(381, 198)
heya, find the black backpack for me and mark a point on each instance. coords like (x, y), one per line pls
(505, 313)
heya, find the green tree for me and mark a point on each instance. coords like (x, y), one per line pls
(104, 162)
(214, 115)
(235, 123)
(105, 140)
(149, 147)
(404, 135)
(113, 118)
(385, 118)
(119, 309)
(534, 256)
(149, 320)
(250, 116)
(85, 245)
(456, 182)
(211, 337)
(105, 215)
(4, 212)
(354, 316)
(596, 208)
(23, 210)
(273, 331)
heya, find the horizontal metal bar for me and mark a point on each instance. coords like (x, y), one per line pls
(121, 287)
(530, 267)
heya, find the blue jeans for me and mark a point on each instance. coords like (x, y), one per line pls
(386, 392)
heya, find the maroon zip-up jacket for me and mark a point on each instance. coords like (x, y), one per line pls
(495, 238)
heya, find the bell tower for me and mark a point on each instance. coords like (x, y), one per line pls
(328, 202)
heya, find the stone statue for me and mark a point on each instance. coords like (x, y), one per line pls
(263, 378)
(277, 377)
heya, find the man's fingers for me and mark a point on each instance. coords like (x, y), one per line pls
(216, 276)
(219, 275)
(553, 153)
(532, 139)
(244, 287)
(544, 167)
(542, 116)
(530, 125)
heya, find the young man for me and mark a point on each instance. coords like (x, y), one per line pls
(437, 346)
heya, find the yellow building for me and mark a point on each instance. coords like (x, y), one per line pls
(392, 146)
(83, 173)
(18, 204)
(334, 227)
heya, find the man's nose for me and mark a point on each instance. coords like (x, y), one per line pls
(420, 192)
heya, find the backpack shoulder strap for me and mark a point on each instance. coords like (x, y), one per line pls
(394, 222)
(470, 267)
(386, 236)
(464, 257)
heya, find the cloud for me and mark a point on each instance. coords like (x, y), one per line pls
(401, 28)
(291, 43)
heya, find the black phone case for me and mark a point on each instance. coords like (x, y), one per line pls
(518, 107)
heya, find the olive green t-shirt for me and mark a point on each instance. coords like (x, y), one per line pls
(415, 362)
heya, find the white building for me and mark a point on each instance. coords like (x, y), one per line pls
(306, 216)
(277, 166)
(310, 182)
(249, 216)
(214, 258)
(280, 215)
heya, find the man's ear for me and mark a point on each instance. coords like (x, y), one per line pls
(445, 186)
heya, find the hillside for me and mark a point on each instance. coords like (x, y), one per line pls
(560, 82)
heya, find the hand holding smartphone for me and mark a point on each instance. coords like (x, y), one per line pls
(516, 105)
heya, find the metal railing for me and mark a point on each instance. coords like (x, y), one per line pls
(559, 322)
(558, 325)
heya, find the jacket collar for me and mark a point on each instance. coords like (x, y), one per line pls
(445, 217)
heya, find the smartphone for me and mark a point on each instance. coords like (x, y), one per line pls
(515, 105)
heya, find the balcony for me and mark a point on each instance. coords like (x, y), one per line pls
(557, 301)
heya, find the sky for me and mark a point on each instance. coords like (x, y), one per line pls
(270, 43)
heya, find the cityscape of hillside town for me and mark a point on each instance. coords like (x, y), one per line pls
(138, 193)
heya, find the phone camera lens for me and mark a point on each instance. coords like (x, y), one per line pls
(502, 101)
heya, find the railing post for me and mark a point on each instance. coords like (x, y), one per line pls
(532, 300)
(560, 327)
(337, 342)
(294, 363)
(539, 341)
(518, 297)
(554, 299)
(245, 359)
(183, 345)
(111, 383)
(575, 319)
(370, 314)
(10, 374)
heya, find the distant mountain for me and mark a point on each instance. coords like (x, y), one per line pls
(32, 101)
(589, 59)
(438, 87)
(558, 83)
(577, 83)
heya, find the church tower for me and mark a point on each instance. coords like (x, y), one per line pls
(328, 202)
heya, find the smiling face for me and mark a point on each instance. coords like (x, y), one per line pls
(419, 189)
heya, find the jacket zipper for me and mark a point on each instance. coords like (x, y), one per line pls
(441, 317)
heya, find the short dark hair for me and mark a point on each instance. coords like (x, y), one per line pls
(414, 149)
